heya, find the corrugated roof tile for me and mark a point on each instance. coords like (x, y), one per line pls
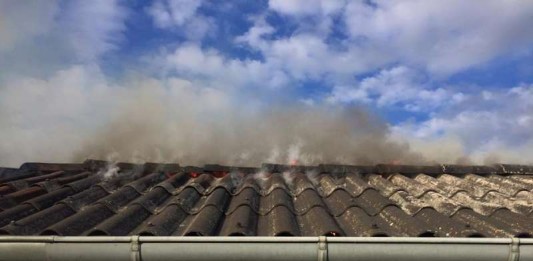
(274, 200)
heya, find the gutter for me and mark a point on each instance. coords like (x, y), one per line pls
(148, 248)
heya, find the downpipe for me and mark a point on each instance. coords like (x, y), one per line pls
(147, 248)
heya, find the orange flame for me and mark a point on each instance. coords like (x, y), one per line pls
(293, 162)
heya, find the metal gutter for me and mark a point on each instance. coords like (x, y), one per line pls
(262, 248)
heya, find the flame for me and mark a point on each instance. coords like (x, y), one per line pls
(219, 174)
(396, 162)
(293, 162)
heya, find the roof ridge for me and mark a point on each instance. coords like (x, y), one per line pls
(221, 170)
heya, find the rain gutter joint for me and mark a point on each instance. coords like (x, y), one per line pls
(514, 253)
(322, 248)
(135, 249)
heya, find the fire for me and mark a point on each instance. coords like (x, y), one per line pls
(396, 162)
(219, 174)
(293, 162)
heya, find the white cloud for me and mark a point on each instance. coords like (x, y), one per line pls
(401, 40)
(93, 27)
(309, 57)
(209, 67)
(307, 7)
(169, 13)
(499, 127)
(317, 14)
(443, 36)
(254, 35)
(420, 39)
(348, 94)
(434, 37)
(181, 16)
(398, 86)
(295, 7)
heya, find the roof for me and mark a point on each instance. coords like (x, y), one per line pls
(91, 198)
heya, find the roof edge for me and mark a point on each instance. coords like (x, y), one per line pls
(262, 248)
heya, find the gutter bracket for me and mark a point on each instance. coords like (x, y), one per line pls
(514, 253)
(135, 249)
(322, 248)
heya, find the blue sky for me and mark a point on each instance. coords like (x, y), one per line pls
(446, 71)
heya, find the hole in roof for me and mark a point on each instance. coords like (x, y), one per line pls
(4, 232)
(332, 234)
(380, 234)
(474, 234)
(284, 234)
(146, 233)
(237, 234)
(98, 233)
(427, 234)
(523, 235)
(194, 234)
(49, 232)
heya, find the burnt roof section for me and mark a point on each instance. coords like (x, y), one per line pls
(93, 198)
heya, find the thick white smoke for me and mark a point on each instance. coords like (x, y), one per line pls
(78, 114)
(182, 125)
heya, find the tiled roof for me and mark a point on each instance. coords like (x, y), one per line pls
(274, 200)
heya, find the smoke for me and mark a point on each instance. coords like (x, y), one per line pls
(109, 172)
(78, 114)
(154, 127)
(192, 102)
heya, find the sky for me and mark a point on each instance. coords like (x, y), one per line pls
(452, 79)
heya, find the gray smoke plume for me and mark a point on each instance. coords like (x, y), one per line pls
(292, 134)
(77, 114)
